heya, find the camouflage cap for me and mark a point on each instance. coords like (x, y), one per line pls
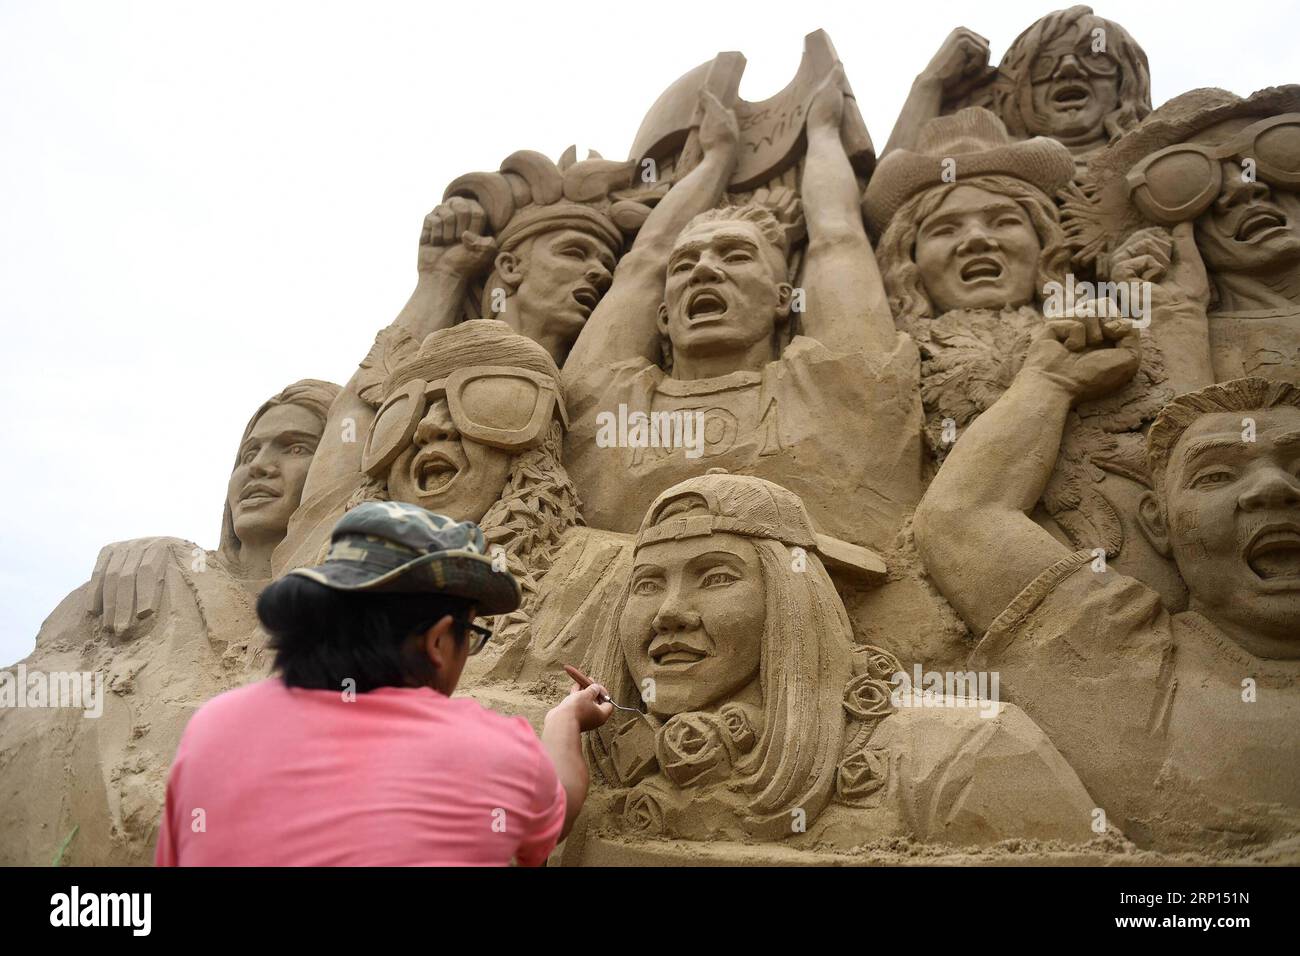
(396, 547)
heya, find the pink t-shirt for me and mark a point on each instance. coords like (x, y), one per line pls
(396, 777)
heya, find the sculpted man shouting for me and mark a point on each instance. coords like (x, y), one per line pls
(1186, 726)
(809, 387)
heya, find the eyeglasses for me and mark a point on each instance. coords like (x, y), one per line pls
(480, 637)
(1180, 182)
(499, 406)
(1044, 66)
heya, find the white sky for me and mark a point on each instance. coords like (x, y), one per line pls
(200, 203)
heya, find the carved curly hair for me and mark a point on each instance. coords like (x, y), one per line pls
(897, 248)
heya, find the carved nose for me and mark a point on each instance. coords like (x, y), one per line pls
(436, 426)
(977, 241)
(1271, 488)
(704, 272)
(673, 617)
(599, 277)
(1237, 190)
(1069, 68)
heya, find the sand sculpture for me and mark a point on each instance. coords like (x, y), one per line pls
(792, 450)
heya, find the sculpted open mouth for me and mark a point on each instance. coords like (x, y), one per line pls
(1256, 223)
(586, 298)
(675, 653)
(1071, 96)
(705, 304)
(981, 267)
(432, 472)
(1274, 553)
(258, 492)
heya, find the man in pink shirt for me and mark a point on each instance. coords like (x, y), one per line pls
(355, 753)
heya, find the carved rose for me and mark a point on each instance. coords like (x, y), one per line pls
(876, 662)
(643, 813)
(632, 751)
(862, 774)
(692, 749)
(739, 729)
(867, 698)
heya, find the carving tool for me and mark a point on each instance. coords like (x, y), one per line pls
(583, 681)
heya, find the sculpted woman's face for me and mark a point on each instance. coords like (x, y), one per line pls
(447, 473)
(694, 620)
(266, 485)
(978, 250)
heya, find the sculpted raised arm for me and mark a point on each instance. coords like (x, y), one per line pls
(847, 309)
(961, 64)
(624, 324)
(972, 527)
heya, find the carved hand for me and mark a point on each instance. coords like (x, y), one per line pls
(719, 130)
(1170, 261)
(452, 241)
(126, 585)
(963, 59)
(1084, 357)
(827, 104)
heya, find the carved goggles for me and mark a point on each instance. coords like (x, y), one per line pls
(1044, 66)
(1180, 182)
(503, 407)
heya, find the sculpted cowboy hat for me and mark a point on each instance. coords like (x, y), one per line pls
(395, 547)
(978, 144)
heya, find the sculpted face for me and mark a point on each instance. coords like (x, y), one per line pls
(447, 473)
(694, 620)
(562, 275)
(723, 294)
(978, 250)
(1233, 513)
(1072, 90)
(1249, 227)
(266, 485)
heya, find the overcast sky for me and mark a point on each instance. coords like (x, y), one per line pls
(201, 203)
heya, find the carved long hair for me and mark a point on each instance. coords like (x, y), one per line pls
(805, 661)
(312, 394)
(1134, 91)
(908, 297)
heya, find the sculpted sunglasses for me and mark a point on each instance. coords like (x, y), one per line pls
(1094, 64)
(507, 408)
(1180, 182)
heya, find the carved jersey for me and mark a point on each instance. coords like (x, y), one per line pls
(1148, 707)
(843, 431)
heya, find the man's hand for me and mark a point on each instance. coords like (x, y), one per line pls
(585, 707)
(127, 583)
(452, 241)
(1084, 357)
(1168, 260)
(826, 107)
(719, 131)
(962, 63)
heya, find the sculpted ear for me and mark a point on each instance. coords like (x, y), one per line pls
(509, 268)
(663, 318)
(784, 296)
(1151, 519)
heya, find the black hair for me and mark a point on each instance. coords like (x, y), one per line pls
(322, 637)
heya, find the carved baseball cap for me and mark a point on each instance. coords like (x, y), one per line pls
(971, 142)
(722, 502)
(396, 547)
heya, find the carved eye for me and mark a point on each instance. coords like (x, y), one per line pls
(646, 586)
(683, 265)
(573, 252)
(1209, 479)
(1005, 221)
(718, 579)
(941, 231)
(738, 257)
(247, 457)
(300, 448)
